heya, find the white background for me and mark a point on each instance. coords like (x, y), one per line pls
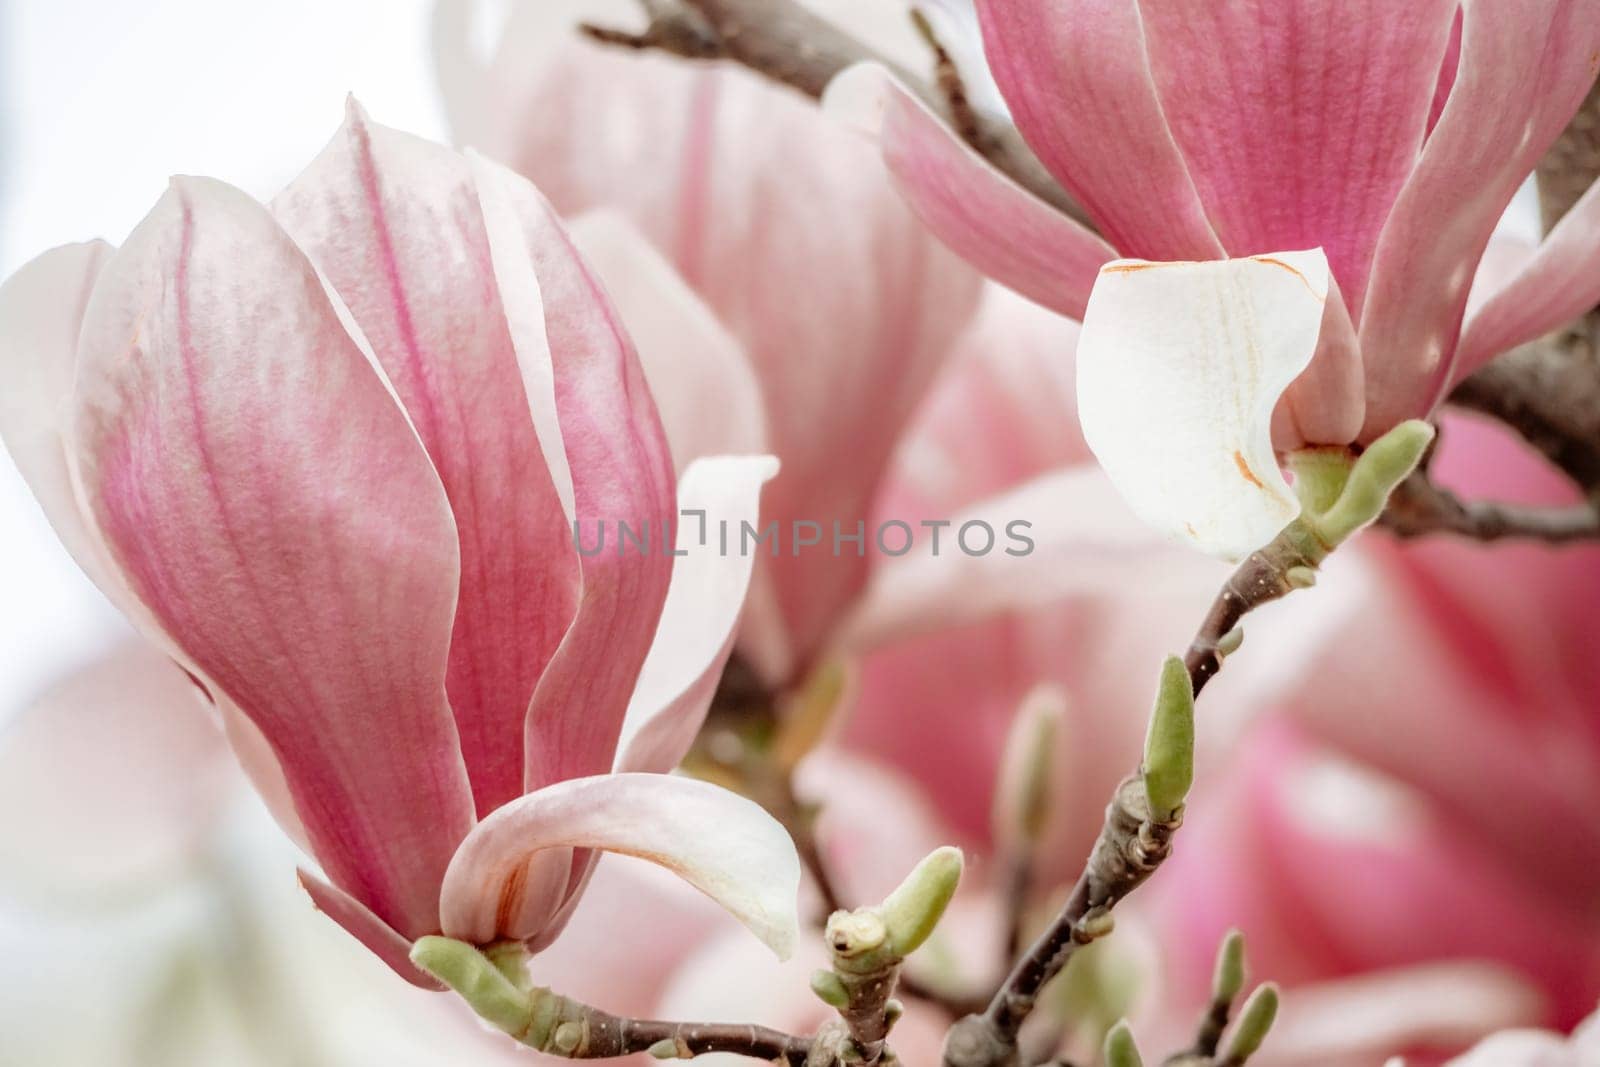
(102, 101)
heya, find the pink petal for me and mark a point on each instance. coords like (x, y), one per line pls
(270, 507)
(254, 753)
(1525, 67)
(699, 620)
(112, 781)
(621, 473)
(1326, 403)
(1560, 283)
(791, 231)
(1300, 119)
(41, 311)
(996, 225)
(394, 224)
(721, 843)
(1081, 91)
(380, 939)
(705, 388)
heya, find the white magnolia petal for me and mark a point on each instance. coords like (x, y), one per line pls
(703, 604)
(1180, 366)
(717, 841)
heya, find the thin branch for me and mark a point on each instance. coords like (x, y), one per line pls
(783, 41)
(610, 1035)
(1418, 508)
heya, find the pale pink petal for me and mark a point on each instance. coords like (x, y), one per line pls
(41, 311)
(112, 781)
(1443, 1004)
(705, 389)
(1522, 1048)
(1003, 411)
(1065, 533)
(393, 222)
(270, 507)
(722, 844)
(701, 614)
(1079, 82)
(788, 226)
(359, 922)
(1560, 283)
(996, 225)
(254, 753)
(621, 474)
(1300, 119)
(1447, 71)
(1525, 67)
(1325, 405)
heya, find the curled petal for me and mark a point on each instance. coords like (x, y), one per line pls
(620, 470)
(274, 514)
(1077, 79)
(1560, 283)
(717, 497)
(996, 225)
(393, 222)
(722, 844)
(1180, 366)
(1525, 66)
(706, 391)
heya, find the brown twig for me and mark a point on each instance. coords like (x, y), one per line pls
(1418, 508)
(1130, 847)
(786, 43)
(606, 1035)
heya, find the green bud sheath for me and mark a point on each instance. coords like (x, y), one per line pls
(1228, 978)
(912, 911)
(1120, 1050)
(1169, 746)
(477, 980)
(1255, 1019)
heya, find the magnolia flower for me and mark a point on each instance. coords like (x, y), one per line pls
(838, 306)
(1352, 164)
(330, 456)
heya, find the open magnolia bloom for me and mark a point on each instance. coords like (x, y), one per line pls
(1351, 160)
(332, 456)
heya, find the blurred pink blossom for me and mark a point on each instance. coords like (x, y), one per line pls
(329, 457)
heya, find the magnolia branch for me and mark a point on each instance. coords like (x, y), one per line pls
(1419, 507)
(788, 44)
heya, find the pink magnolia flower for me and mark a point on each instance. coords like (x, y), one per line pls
(789, 231)
(329, 456)
(1388, 144)
(1454, 769)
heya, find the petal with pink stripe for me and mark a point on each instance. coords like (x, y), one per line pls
(271, 508)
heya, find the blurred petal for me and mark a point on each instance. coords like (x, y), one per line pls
(1077, 79)
(1076, 536)
(41, 312)
(704, 387)
(1525, 66)
(996, 225)
(1299, 119)
(792, 232)
(111, 781)
(699, 619)
(1433, 1005)
(393, 223)
(1560, 283)
(621, 473)
(1179, 368)
(722, 844)
(269, 505)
